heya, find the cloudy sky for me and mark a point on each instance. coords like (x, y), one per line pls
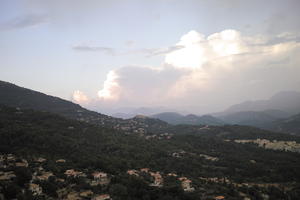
(196, 56)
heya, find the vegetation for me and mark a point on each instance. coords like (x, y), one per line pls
(31, 134)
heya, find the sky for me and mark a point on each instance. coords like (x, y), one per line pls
(196, 56)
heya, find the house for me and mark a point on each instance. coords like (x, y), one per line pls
(6, 176)
(86, 194)
(132, 172)
(22, 163)
(100, 178)
(172, 174)
(40, 160)
(2, 158)
(158, 179)
(102, 197)
(176, 155)
(60, 161)
(207, 157)
(186, 184)
(60, 180)
(10, 158)
(35, 189)
(44, 176)
(72, 172)
(99, 175)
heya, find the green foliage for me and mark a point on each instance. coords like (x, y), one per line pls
(85, 146)
(23, 175)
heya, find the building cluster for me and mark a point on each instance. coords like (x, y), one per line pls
(263, 186)
(182, 153)
(207, 157)
(140, 124)
(215, 180)
(158, 178)
(186, 184)
(9, 163)
(292, 146)
(179, 154)
(162, 136)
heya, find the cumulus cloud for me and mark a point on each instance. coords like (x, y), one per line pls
(208, 73)
(139, 84)
(79, 97)
(111, 87)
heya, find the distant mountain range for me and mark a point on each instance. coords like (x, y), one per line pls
(286, 101)
(176, 118)
(281, 112)
(253, 118)
(129, 112)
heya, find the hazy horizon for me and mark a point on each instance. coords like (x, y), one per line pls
(193, 56)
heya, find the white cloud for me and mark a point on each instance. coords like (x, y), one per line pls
(199, 50)
(79, 97)
(208, 73)
(111, 88)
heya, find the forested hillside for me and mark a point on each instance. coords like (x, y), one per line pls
(204, 157)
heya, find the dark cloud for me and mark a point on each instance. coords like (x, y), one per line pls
(23, 22)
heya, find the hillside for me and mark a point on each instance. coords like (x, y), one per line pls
(249, 118)
(23, 98)
(289, 125)
(206, 159)
(15, 96)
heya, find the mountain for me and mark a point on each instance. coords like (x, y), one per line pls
(286, 101)
(23, 98)
(129, 112)
(176, 118)
(263, 113)
(249, 118)
(277, 114)
(15, 96)
(202, 120)
(170, 117)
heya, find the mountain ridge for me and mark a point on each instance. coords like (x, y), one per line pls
(287, 101)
